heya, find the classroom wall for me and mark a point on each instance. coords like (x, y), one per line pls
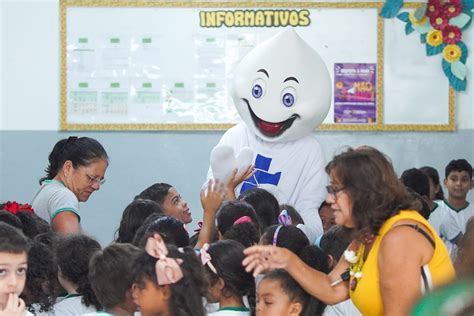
(29, 127)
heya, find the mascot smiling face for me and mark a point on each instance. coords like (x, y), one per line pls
(282, 88)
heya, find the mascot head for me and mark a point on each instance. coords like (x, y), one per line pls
(282, 88)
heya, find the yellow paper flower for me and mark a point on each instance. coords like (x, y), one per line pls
(414, 21)
(452, 53)
(339, 85)
(434, 37)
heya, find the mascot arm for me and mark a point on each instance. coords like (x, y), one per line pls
(310, 197)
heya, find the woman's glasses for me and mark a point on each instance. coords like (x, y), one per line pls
(95, 179)
(333, 191)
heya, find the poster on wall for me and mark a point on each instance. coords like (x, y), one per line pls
(355, 93)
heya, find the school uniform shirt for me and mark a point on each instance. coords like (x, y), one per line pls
(345, 308)
(231, 311)
(438, 219)
(292, 171)
(104, 313)
(35, 310)
(53, 198)
(457, 219)
(72, 305)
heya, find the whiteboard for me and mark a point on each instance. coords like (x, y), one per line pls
(160, 66)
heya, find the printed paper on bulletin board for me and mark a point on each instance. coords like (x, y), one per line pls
(163, 67)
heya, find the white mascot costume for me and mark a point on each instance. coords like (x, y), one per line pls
(282, 91)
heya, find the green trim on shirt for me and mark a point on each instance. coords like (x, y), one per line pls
(105, 313)
(72, 295)
(457, 210)
(66, 209)
(53, 181)
(237, 309)
(435, 207)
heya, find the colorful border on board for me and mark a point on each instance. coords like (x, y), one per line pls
(378, 126)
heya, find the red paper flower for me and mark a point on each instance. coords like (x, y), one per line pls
(434, 8)
(439, 21)
(452, 8)
(14, 207)
(451, 34)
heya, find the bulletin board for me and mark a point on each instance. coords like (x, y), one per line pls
(145, 65)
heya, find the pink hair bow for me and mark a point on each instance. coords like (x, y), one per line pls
(284, 219)
(167, 269)
(206, 258)
(243, 220)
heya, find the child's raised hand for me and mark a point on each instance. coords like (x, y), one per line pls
(15, 306)
(265, 258)
(212, 199)
(235, 179)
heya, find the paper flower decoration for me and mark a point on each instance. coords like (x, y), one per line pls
(451, 34)
(15, 207)
(434, 38)
(447, 20)
(452, 53)
(350, 256)
(433, 8)
(439, 22)
(452, 9)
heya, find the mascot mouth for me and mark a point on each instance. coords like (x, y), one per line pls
(271, 129)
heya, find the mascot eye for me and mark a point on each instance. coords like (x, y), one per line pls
(288, 97)
(258, 89)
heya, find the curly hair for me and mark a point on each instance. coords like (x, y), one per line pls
(186, 294)
(247, 233)
(73, 255)
(40, 286)
(369, 179)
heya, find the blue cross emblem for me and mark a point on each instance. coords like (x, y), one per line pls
(261, 176)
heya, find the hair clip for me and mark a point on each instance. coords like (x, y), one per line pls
(243, 220)
(275, 235)
(284, 219)
(206, 258)
(167, 269)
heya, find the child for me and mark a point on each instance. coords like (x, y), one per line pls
(289, 237)
(73, 255)
(293, 213)
(170, 229)
(327, 216)
(436, 192)
(279, 295)
(333, 243)
(168, 281)
(265, 205)
(450, 218)
(133, 217)
(169, 200)
(13, 265)
(41, 279)
(110, 274)
(229, 282)
(418, 184)
(238, 221)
